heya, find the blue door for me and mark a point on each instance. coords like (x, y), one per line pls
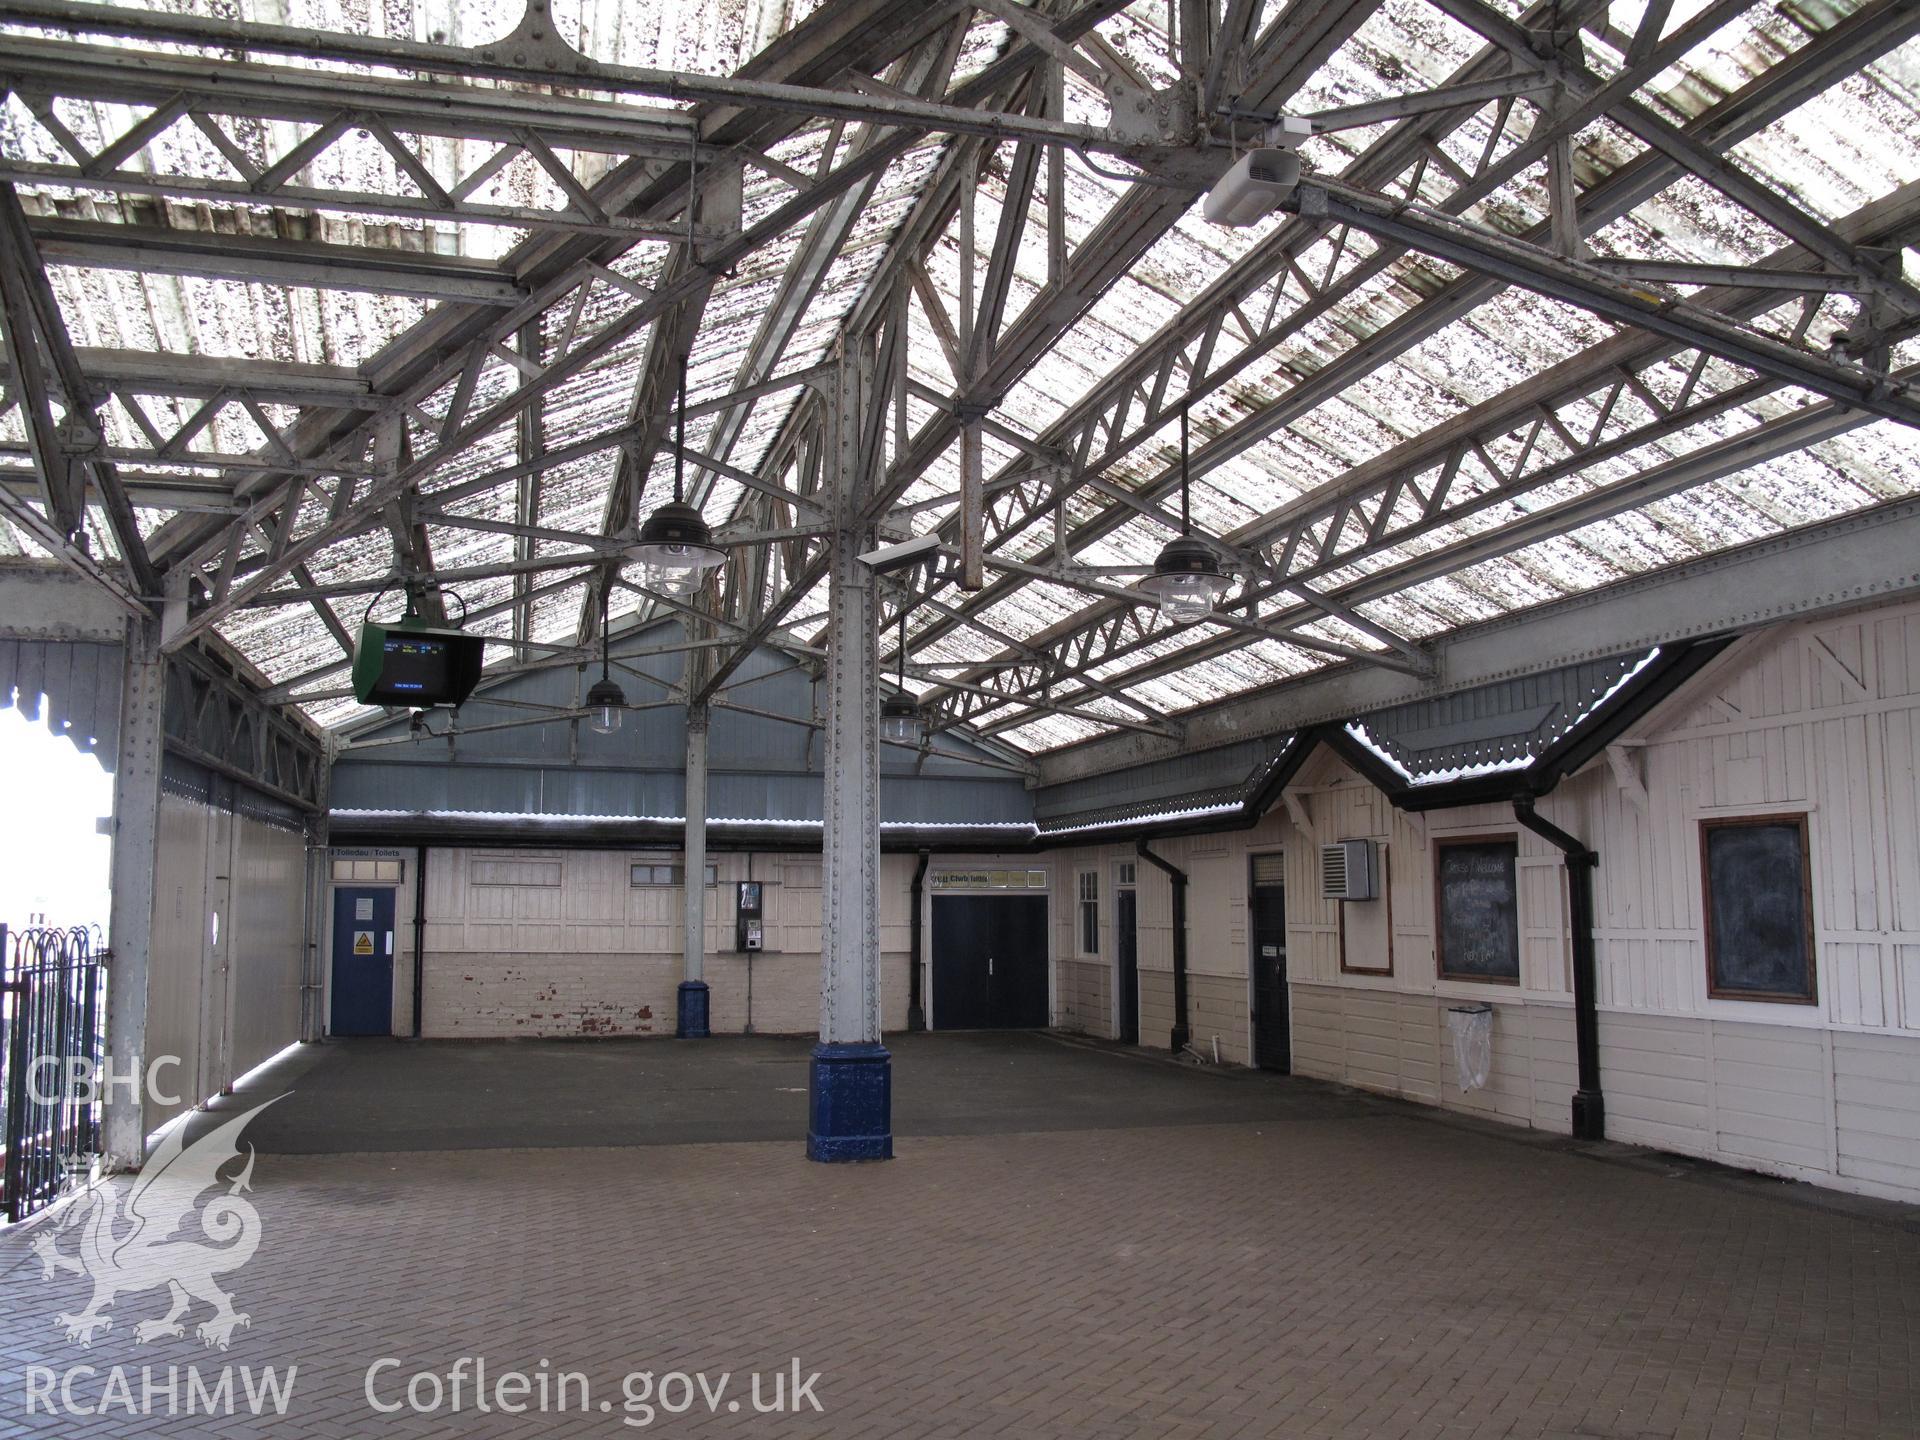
(362, 961)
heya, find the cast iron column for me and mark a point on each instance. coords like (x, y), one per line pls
(849, 1089)
(692, 1022)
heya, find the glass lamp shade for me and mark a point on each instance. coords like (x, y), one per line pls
(1187, 580)
(676, 550)
(671, 578)
(605, 702)
(902, 722)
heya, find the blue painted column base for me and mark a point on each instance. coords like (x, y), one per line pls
(691, 1023)
(850, 1103)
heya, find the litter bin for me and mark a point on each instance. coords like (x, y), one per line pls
(1472, 1027)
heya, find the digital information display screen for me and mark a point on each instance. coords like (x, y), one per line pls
(415, 665)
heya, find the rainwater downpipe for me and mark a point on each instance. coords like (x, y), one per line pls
(1178, 878)
(313, 925)
(916, 1000)
(747, 1029)
(1589, 1107)
(419, 931)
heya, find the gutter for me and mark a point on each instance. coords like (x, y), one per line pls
(1589, 1106)
(1182, 1034)
(581, 833)
(1558, 760)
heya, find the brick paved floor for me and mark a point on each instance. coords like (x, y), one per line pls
(493, 1094)
(1340, 1270)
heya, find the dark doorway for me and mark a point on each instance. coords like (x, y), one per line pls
(362, 961)
(1272, 1043)
(1126, 931)
(989, 962)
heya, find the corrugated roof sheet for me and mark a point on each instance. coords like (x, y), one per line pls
(1838, 152)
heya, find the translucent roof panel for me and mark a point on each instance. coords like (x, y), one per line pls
(411, 291)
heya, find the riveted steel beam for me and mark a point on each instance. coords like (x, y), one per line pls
(1852, 42)
(1862, 559)
(320, 265)
(526, 61)
(1591, 288)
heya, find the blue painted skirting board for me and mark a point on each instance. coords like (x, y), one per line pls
(850, 1103)
(691, 1023)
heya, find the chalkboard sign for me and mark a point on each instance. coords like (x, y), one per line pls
(1759, 913)
(1478, 911)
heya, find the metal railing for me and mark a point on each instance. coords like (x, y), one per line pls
(52, 1041)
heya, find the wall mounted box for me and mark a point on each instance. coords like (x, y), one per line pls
(1347, 870)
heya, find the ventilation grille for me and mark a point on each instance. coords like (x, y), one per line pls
(1346, 870)
(1274, 167)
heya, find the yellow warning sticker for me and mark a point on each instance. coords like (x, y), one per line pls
(363, 942)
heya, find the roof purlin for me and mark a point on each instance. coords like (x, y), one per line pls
(1596, 457)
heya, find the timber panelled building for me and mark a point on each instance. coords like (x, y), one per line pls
(948, 541)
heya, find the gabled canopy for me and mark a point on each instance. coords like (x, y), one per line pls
(1575, 291)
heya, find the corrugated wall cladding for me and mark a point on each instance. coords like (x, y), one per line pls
(266, 913)
(222, 999)
(81, 683)
(762, 766)
(1820, 719)
(387, 786)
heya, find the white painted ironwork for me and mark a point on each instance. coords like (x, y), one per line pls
(275, 339)
(850, 887)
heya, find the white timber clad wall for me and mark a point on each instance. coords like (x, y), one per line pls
(1820, 719)
(221, 1001)
(1086, 986)
(1083, 988)
(1086, 998)
(562, 943)
(1375, 1015)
